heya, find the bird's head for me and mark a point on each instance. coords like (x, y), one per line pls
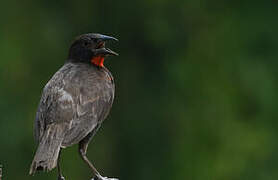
(90, 48)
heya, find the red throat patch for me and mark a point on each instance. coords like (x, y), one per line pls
(98, 61)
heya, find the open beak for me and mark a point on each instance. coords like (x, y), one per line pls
(107, 38)
(101, 50)
(105, 52)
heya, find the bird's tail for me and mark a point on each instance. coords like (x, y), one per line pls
(48, 150)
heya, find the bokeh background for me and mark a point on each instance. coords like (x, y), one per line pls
(196, 87)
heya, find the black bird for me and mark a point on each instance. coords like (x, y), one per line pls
(74, 103)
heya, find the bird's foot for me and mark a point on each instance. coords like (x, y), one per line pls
(99, 177)
(60, 177)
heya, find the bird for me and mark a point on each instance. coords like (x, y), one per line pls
(74, 103)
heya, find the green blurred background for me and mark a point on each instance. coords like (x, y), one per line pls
(196, 87)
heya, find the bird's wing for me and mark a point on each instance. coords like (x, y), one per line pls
(56, 105)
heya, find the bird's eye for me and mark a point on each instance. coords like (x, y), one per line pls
(86, 43)
(95, 40)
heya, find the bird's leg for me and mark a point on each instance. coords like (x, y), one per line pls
(60, 176)
(82, 151)
(83, 145)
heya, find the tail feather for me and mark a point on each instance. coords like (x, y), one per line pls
(48, 150)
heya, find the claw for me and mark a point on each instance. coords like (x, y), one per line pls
(99, 177)
(61, 178)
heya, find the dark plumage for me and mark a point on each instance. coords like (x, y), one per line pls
(74, 103)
